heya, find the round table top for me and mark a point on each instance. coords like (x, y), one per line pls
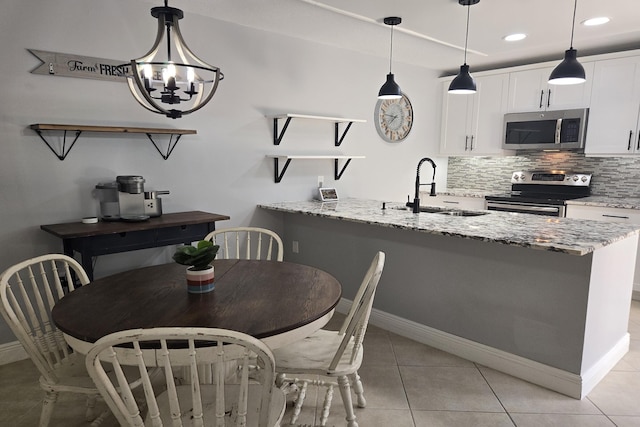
(259, 298)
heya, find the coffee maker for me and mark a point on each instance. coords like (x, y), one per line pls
(125, 199)
(131, 197)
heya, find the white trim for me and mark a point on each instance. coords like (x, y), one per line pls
(570, 384)
(12, 352)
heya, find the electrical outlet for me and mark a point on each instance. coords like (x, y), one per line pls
(320, 180)
(295, 248)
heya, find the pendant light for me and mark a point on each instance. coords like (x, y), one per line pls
(569, 71)
(390, 89)
(184, 83)
(464, 83)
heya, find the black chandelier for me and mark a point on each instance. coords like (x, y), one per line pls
(170, 79)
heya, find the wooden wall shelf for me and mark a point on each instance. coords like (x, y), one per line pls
(39, 128)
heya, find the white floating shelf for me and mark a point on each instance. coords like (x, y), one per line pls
(306, 116)
(277, 136)
(288, 157)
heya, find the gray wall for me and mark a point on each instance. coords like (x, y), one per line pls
(223, 168)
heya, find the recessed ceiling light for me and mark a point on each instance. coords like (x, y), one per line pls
(596, 21)
(515, 37)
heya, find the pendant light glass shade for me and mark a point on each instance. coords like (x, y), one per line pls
(390, 89)
(464, 83)
(569, 71)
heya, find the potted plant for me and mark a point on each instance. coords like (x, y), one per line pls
(200, 272)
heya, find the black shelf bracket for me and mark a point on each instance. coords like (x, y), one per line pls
(277, 138)
(64, 151)
(338, 174)
(278, 175)
(172, 144)
(340, 138)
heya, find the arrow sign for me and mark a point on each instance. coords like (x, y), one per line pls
(87, 67)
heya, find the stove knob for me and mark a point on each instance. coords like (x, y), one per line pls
(584, 178)
(522, 177)
(516, 176)
(575, 178)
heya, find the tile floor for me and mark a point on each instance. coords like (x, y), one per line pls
(408, 384)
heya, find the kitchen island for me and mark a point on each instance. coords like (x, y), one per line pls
(543, 299)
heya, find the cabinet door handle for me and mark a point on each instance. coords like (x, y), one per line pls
(629, 144)
(471, 149)
(541, 95)
(451, 202)
(466, 142)
(549, 98)
(615, 216)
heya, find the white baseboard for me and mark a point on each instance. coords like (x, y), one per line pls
(570, 384)
(12, 352)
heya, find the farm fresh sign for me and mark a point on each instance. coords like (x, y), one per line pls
(69, 65)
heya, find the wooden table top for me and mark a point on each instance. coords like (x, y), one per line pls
(77, 229)
(259, 298)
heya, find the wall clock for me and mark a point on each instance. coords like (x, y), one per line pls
(394, 118)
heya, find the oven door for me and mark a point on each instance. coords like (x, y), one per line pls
(523, 207)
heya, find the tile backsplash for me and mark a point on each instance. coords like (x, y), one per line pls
(612, 176)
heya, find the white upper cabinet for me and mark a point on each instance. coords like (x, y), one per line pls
(615, 105)
(472, 124)
(529, 91)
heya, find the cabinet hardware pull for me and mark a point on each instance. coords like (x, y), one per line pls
(471, 149)
(549, 98)
(466, 142)
(615, 216)
(541, 95)
(629, 144)
(451, 202)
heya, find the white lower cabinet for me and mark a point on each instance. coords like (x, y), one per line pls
(631, 216)
(453, 202)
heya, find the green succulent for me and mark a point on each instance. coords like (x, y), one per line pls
(199, 256)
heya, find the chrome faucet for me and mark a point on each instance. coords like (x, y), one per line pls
(416, 199)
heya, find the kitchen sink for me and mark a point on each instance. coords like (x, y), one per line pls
(443, 211)
(463, 213)
(427, 209)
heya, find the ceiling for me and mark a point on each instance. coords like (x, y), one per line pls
(432, 32)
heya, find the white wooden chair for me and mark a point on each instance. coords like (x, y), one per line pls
(333, 354)
(209, 398)
(247, 243)
(28, 292)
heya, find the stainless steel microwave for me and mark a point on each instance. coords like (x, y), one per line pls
(546, 130)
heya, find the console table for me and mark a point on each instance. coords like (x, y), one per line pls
(109, 237)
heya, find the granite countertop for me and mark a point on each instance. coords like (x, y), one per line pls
(464, 192)
(607, 202)
(570, 236)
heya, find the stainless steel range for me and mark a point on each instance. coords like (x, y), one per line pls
(541, 192)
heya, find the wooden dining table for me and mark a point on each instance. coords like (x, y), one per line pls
(277, 302)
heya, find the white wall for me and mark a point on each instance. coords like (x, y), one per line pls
(223, 168)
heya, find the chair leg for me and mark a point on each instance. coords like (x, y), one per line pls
(359, 389)
(302, 393)
(91, 405)
(326, 405)
(48, 403)
(345, 391)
